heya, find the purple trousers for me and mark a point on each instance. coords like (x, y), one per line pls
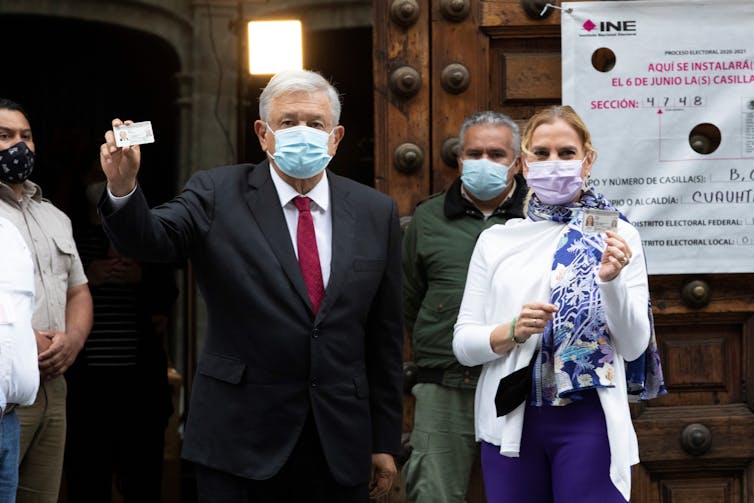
(564, 458)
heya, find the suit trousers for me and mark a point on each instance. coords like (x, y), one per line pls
(42, 443)
(304, 477)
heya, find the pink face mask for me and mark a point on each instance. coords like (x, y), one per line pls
(555, 182)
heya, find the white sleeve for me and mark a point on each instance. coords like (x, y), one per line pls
(471, 336)
(119, 201)
(626, 301)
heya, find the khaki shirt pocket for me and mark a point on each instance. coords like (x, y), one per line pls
(63, 254)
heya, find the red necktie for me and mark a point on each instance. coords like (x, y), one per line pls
(308, 255)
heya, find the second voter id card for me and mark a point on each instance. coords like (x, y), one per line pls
(596, 221)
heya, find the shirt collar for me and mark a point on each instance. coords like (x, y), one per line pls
(320, 194)
(31, 191)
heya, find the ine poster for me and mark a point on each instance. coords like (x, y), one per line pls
(667, 90)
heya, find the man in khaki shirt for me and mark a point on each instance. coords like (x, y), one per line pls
(63, 312)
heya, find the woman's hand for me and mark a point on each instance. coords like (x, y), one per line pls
(616, 256)
(531, 320)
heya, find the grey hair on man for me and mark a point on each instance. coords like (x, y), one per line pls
(492, 118)
(298, 81)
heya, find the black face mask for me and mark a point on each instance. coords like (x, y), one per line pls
(16, 163)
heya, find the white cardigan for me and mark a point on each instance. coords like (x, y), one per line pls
(511, 266)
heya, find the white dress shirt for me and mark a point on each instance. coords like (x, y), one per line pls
(321, 216)
(19, 370)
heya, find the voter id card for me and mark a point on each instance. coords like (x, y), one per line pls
(137, 133)
(596, 221)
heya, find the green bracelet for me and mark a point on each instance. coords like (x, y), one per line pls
(513, 328)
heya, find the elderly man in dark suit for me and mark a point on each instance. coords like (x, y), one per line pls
(297, 396)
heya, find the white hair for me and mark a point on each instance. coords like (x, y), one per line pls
(298, 81)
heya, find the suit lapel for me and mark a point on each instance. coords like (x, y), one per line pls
(343, 231)
(264, 203)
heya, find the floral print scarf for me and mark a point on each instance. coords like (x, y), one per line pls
(576, 352)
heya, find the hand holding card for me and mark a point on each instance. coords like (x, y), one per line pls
(120, 160)
(137, 133)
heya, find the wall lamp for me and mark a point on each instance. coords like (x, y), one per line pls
(274, 46)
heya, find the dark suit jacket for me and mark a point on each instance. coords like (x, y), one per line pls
(267, 361)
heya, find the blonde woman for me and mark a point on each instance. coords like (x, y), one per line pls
(554, 312)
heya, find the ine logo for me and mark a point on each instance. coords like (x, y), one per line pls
(608, 28)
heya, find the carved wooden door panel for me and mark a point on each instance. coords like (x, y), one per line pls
(697, 443)
(437, 61)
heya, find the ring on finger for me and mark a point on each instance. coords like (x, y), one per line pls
(624, 260)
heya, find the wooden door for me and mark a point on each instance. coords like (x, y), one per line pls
(437, 61)
(697, 443)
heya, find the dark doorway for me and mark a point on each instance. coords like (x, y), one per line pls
(343, 56)
(73, 77)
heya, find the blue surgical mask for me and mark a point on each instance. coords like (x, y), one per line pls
(484, 179)
(16, 163)
(301, 152)
(555, 182)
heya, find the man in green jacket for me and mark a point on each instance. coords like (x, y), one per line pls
(437, 248)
